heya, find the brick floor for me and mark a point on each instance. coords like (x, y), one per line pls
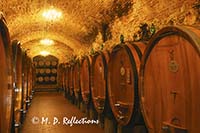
(53, 105)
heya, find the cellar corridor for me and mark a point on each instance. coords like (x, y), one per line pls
(100, 66)
(53, 106)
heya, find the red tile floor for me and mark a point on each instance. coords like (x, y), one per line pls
(48, 107)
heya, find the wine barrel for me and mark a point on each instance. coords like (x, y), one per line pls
(47, 63)
(85, 78)
(61, 76)
(41, 63)
(169, 81)
(54, 63)
(18, 83)
(46, 78)
(6, 89)
(71, 85)
(40, 79)
(30, 79)
(123, 70)
(47, 71)
(67, 81)
(52, 79)
(42, 70)
(99, 82)
(35, 63)
(54, 71)
(76, 80)
(34, 77)
(25, 82)
(37, 71)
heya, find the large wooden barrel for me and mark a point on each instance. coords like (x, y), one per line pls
(99, 80)
(169, 81)
(67, 80)
(6, 89)
(76, 80)
(61, 77)
(71, 85)
(30, 79)
(25, 81)
(123, 70)
(85, 78)
(17, 64)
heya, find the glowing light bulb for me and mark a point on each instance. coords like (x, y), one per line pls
(46, 41)
(52, 14)
(44, 53)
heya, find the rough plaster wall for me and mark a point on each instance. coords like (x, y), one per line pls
(159, 12)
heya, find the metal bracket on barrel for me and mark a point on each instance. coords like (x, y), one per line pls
(31, 97)
(168, 127)
(76, 90)
(22, 111)
(122, 108)
(28, 101)
(100, 101)
(17, 125)
(86, 93)
(16, 89)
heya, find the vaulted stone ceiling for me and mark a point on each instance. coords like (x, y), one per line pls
(74, 32)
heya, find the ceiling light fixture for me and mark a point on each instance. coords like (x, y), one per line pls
(52, 14)
(46, 41)
(44, 53)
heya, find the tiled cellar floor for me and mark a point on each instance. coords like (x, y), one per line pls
(46, 114)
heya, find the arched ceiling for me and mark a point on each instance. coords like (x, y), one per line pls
(77, 28)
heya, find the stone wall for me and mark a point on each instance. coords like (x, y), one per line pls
(159, 12)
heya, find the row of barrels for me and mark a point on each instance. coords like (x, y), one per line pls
(157, 81)
(15, 82)
(46, 79)
(47, 63)
(46, 71)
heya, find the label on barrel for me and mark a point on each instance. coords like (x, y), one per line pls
(173, 66)
(100, 69)
(122, 71)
